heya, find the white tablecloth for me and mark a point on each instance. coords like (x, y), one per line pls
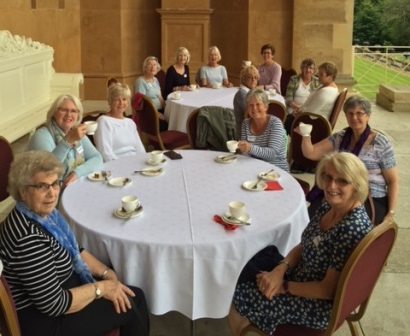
(174, 251)
(177, 111)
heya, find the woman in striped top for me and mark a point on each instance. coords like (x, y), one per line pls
(262, 135)
(52, 280)
(372, 147)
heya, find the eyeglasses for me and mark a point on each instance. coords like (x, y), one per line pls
(43, 187)
(341, 182)
(356, 114)
(66, 110)
(252, 77)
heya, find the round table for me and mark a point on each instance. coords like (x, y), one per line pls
(177, 111)
(174, 251)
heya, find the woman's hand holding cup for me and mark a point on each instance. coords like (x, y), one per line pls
(76, 133)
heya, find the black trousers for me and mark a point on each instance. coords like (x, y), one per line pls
(96, 319)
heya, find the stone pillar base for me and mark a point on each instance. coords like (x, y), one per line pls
(394, 98)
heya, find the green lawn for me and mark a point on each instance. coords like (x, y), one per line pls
(369, 75)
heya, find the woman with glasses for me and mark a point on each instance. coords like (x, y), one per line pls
(298, 90)
(372, 147)
(64, 136)
(58, 287)
(299, 288)
(270, 71)
(249, 79)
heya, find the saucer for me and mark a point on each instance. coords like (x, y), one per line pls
(269, 176)
(249, 184)
(152, 163)
(119, 181)
(152, 171)
(125, 215)
(175, 98)
(92, 133)
(97, 176)
(244, 218)
(231, 159)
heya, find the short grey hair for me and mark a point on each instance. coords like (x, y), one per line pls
(182, 50)
(150, 58)
(350, 167)
(118, 90)
(359, 101)
(57, 103)
(26, 165)
(259, 94)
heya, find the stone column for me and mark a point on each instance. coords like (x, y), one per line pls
(323, 30)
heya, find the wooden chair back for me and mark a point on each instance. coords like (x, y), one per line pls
(9, 324)
(321, 130)
(6, 157)
(285, 78)
(278, 110)
(337, 108)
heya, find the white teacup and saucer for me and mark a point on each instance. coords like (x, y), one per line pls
(237, 214)
(157, 158)
(131, 207)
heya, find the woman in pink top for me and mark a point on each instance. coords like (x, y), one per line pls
(270, 71)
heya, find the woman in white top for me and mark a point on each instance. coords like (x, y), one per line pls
(322, 100)
(117, 135)
(213, 72)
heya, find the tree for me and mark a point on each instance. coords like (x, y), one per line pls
(367, 24)
(397, 17)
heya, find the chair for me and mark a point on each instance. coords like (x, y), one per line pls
(284, 79)
(337, 108)
(198, 76)
(191, 128)
(278, 110)
(321, 130)
(5, 162)
(9, 324)
(161, 79)
(92, 116)
(356, 283)
(136, 107)
(111, 81)
(148, 125)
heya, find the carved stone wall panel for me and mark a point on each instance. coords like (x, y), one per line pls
(185, 28)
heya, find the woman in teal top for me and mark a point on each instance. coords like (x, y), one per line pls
(64, 136)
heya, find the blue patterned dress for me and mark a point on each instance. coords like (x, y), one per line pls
(320, 250)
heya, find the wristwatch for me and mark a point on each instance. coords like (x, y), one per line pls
(97, 291)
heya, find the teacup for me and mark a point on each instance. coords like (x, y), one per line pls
(91, 126)
(217, 85)
(305, 129)
(232, 145)
(272, 92)
(247, 63)
(157, 156)
(176, 95)
(129, 203)
(237, 209)
(192, 87)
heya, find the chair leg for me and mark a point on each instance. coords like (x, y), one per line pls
(353, 328)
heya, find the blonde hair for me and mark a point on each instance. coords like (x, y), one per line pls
(248, 70)
(150, 58)
(350, 167)
(216, 51)
(182, 50)
(117, 90)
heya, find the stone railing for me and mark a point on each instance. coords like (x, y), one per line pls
(28, 84)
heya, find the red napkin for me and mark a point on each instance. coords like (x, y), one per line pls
(228, 226)
(273, 185)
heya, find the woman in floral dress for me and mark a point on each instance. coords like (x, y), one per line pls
(301, 288)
